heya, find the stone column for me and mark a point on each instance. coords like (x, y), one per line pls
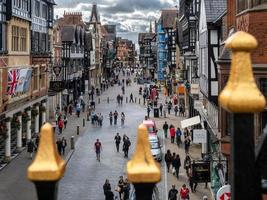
(19, 134)
(36, 125)
(8, 142)
(29, 133)
(44, 113)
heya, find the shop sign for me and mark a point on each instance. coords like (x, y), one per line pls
(181, 89)
(194, 88)
(190, 122)
(56, 86)
(57, 70)
(201, 172)
(199, 136)
(198, 104)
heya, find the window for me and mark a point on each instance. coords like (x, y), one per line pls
(242, 5)
(35, 79)
(35, 42)
(43, 43)
(44, 11)
(37, 8)
(42, 77)
(15, 38)
(192, 37)
(25, 5)
(258, 2)
(23, 39)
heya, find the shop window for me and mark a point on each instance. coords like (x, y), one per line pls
(37, 8)
(44, 11)
(35, 79)
(43, 42)
(258, 2)
(42, 77)
(23, 39)
(242, 5)
(15, 38)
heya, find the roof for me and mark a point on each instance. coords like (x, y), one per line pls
(214, 9)
(95, 17)
(110, 28)
(67, 33)
(168, 17)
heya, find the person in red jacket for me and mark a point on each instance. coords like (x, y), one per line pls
(172, 133)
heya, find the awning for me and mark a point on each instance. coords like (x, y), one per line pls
(190, 122)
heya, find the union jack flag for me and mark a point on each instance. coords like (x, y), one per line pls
(13, 76)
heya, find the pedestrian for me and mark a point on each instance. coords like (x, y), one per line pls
(59, 146)
(186, 133)
(122, 118)
(168, 159)
(121, 99)
(144, 98)
(192, 183)
(173, 193)
(131, 98)
(30, 148)
(110, 118)
(106, 186)
(165, 108)
(148, 111)
(60, 124)
(78, 109)
(65, 121)
(178, 136)
(160, 109)
(169, 107)
(118, 99)
(165, 128)
(126, 146)
(120, 187)
(115, 117)
(117, 141)
(64, 145)
(184, 193)
(180, 109)
(98, 149)
(70, 109)
(100, 119)
(187, 164)
(187, 144)
(176, 110)
(205, 197)
(176, 163)
(172, 133)
(126, 189)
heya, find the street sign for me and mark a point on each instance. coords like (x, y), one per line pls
(201, 172)
(224, 193)
(190, 122)
(199, 136)
(56, 86)
(57, 70)
(194, 88)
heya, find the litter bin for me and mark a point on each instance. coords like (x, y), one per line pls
(156, 112)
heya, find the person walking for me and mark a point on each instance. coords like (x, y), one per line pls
(59, 146)
(144, 98)
(172, 133)
(168, 159)
(169, 107)
(165, 128)
(184, 193)
(176, 163)
(126, 146)
(126, 189)
(172, 195)
(110, 118)
(115, 117)
(64, 145)
(131, 98)
(98, 149)
(178, 136)
(107, 191)
(65, 121)
(160, 109)
(60, 124)
(100, 119)
(30, 148)
(176, 110)
(148, 110)
(117, 141)
(187, 164)
(122, 118)
(187, 144)
(78, 109)
(120, 187)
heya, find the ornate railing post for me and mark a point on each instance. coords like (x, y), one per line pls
(48, 167)
(242, 97)
(142, 170)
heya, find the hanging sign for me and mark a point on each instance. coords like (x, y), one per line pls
(199, 136)
(224, 193)
(201, 172)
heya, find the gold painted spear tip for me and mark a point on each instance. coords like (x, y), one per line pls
(47, 165)
(241, 41)
(143, 168)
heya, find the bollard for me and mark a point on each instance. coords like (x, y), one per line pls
(135, 100)
(78, 130)
(98, 100)
(72, 142)
(83, 122)
(126, 99)
(139, 101)
(108, 99)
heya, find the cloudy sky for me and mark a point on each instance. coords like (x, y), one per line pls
(130, 16)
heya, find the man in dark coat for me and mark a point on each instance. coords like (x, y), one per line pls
(126, 145)
(30, 148)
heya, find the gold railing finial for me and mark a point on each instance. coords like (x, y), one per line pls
(241, 94)
(143, 168)
(47, 165)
